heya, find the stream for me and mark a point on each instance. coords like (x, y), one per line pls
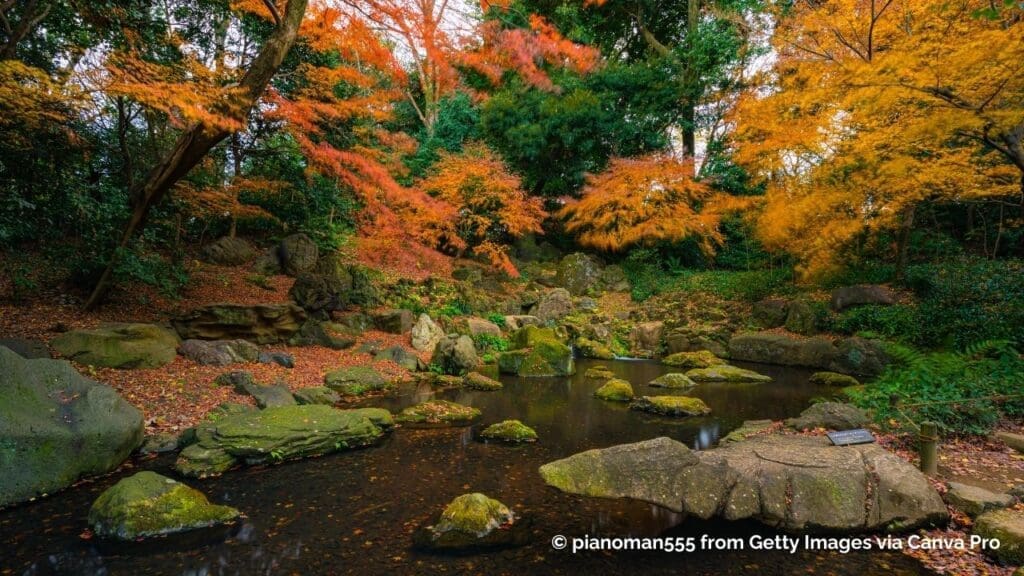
(355, 512)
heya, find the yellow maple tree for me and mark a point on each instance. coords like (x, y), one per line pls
(873, 107)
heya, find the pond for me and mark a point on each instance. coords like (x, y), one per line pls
(355, 513)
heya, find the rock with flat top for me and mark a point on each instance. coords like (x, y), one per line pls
(974, 501)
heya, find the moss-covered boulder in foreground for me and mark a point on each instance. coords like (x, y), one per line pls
(477, 381)
(673, 380)
(438, 413)
(277, 434)
(57, 426)
(148, 504)
(615, 390)
(119, 346)
(671, 405)
(355, 380)
(512, 431)
(472, 521)
(725, 373)
(698, 359)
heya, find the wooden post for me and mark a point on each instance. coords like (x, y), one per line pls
(928, 439)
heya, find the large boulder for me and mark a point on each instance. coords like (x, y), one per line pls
(147, 504)
(479, 326)
(426, 334)
(278, 434)
(355, 380)
(615, 390)
(57, 426)
(455, 354)
(647, 338)
(847, 296)
(854, 355)
(228, 251)
(119, 346)
(326, 334)
(297, 254)
(793, 483)
(323, 290)
(1007, 526)
(579, 273)
(553, 306)
(401, 356)
(397, 321)
(259, 323)
(219, 352)
(831, 416)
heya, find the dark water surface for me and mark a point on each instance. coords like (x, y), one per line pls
(354, 513)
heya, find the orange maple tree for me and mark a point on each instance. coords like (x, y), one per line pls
(490, 202)
(646, 200)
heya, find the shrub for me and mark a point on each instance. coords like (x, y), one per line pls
(949, 388)
(899, 322)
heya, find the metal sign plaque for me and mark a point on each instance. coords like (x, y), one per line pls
(849, 437)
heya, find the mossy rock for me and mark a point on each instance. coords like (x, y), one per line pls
(148, 504)
(477, 381)
(615, 390)
(548, 358)
(726, 373)
(530, 335)
(833, 379)
(355, 381)
(278, 434)
(472, 521)
(688, 360)
(317, 395)
(119, 346)
(512, 431)
(489, 370)
(673, 380)
(1008, 527)
(509, 362)
(671, 405)
(438, 412)
(57, 426)
(592, 349)
(599, 373)
(746, 430)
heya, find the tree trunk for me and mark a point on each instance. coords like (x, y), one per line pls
(197, 140)
(690, 105)
(903, 243)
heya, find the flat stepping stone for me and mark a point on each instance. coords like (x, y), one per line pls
(671, 405)
(698, 359)
(726, 373)
(974, 501)
(438, 413)
(674, 380)
(477, 381)
(1015, 441)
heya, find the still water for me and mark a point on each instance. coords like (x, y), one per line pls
(355, 513)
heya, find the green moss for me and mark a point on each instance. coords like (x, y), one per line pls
(747, 429)
(833, 379)
(592, 349)
(725, 373)
(671, 405)
(477, 381)
(197, 461)
(615, 390)
(599, 373)
(317, 395)
(509, 431)
(698, 359)
(474, 514)
(438, 412)
(528, 336)
(673, 380)
(510, 362)
(148, 504)
(548, 358)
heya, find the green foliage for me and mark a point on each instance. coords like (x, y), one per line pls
(953, 387)
(898, 322)
(454, 308)
(497, 318)
(152, 269)
(489, 345)
(968, 300)
(457, 122)
(650, 274)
